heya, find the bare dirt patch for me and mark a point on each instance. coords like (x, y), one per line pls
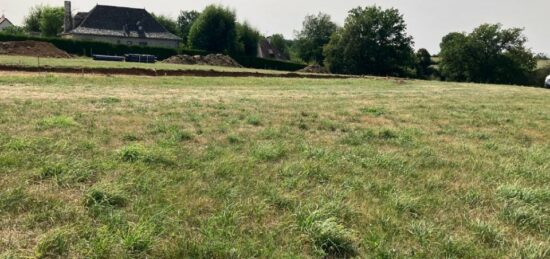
(209, 60)
(160, 72)
(32, 48)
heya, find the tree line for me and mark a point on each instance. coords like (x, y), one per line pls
(372, 41)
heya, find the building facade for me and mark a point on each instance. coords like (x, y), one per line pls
(4, 23)
(117, 25)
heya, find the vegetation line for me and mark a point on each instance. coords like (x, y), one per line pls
(162, 72)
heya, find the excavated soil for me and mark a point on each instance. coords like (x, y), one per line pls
(155, 72)
(32, 48)
(208, 60)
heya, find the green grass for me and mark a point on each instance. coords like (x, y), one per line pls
(89, 63)
(185, 167)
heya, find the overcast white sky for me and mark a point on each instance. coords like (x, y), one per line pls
(428, 20)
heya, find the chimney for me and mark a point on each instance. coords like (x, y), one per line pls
(68, 21)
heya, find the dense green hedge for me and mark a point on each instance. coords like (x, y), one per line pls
(87, 48)
(262, 63)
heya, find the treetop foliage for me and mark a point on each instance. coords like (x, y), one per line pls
(372, 41)
(214, 30)
(489, 54)
(315, 34)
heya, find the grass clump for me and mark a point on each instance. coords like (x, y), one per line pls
(130, 137)
(269, 151)
(110, 100)
(526, 207)
(408, 205)
(54, 245)
(234, 139)
(105, 196)
(373, 111)
(138, 238)
(254, 120)
(181, 135)
(13, 200)
(52, 171)
(132, 153)
(331, 238)
(61, 122)
(488, 234)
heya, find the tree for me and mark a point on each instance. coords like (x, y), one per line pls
(215, 30)
(372, 41)
(423, 63)
(279, 42)
(454, 60)
(168, 23)
(315, 34)
(185, 21)
(490, 54)
(51, 21)
(248, 38)
(32, 20)
(45, 19)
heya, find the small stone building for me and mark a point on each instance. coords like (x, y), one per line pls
(4, 23)
(117, 25)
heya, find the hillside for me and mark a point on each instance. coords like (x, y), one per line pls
(175, 167)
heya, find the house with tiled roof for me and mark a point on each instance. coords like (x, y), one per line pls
(117, 25)
(4, 23)
(268, 51)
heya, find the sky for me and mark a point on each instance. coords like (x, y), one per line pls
(428, 20)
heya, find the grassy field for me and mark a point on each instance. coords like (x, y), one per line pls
(89, 63)
(115, 167)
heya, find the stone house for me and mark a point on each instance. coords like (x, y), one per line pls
(4, 23)
(268, 51)
(117, 25)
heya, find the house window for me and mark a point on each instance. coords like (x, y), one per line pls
(143, 43)
(129, 42)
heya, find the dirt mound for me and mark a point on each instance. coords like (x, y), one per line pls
(316, 69)
(209, 60)
(32, 48)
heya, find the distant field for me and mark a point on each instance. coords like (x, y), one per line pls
(125, 167)
(88, 62)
